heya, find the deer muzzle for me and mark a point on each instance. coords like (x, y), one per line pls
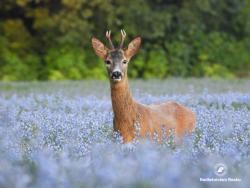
(116, 76)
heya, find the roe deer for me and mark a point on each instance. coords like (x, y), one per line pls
(151, 119)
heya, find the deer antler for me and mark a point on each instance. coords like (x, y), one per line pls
(108, 35)
(123, 36)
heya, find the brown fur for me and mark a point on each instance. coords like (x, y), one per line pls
(151, 118)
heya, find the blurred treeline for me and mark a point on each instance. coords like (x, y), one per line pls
(50, 39)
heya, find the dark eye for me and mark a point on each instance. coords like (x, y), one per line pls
(108, 62)
(124, 62)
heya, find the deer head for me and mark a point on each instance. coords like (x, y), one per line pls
(116, 59)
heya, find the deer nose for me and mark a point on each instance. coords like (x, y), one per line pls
(116, 74)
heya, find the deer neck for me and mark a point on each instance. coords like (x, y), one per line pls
(124, 107)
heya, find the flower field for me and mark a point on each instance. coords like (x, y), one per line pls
(60, 134)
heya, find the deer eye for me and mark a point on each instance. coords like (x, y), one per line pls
(124, 61)
(108, 62)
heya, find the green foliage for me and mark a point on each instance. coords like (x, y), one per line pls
(136, 66)
(67, 62)
(216, 70)
(157, 65)
(42, 40)
(223, 56)
(179, 58)
(18, 68)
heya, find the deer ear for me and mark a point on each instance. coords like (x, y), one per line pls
(99, 48)
(133, 47)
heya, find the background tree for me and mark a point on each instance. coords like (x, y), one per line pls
(50, 39)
